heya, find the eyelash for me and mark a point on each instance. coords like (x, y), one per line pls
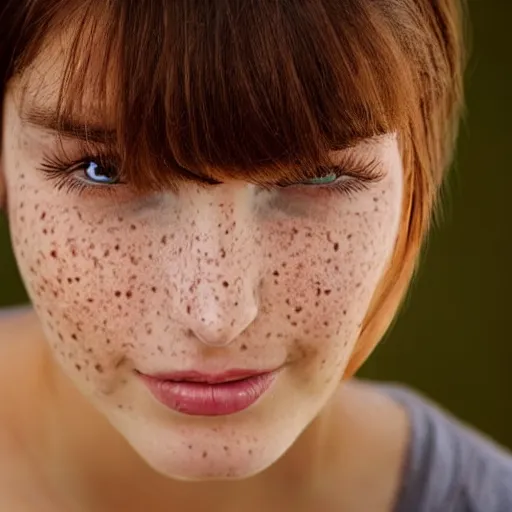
(61, 171)
(354, 174)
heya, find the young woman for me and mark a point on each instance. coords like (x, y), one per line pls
(217, 207)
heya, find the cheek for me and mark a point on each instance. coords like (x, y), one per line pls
(323, 274)
(89, 286)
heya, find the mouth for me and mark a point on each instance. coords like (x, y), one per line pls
(199, 394)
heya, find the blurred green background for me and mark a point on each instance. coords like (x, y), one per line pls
(452, 340)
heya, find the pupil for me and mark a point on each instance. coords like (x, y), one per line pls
(98, 173)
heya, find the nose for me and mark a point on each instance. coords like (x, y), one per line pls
(218, 321)
(219, 276)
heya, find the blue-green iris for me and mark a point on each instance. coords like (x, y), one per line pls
(98, 174)
(322, 180)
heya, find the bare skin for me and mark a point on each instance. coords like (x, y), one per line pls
(58, 447)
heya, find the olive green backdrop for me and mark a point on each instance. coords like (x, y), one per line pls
(453, 338)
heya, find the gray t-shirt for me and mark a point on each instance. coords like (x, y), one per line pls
(449, 467)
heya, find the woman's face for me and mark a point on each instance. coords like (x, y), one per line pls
(207, 280)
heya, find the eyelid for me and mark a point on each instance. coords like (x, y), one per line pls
(350, 166)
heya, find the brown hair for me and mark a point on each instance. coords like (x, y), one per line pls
(259, 89)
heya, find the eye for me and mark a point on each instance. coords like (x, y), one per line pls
(321, 180)
(99, 174)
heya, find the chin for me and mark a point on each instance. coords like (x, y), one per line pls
(206, 451)
(211, 462)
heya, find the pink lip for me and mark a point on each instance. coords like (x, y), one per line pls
(199, 394)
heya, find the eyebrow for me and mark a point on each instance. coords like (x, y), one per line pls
(90, 131)
(48, 120)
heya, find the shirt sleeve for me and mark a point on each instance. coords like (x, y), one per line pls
(450, 467)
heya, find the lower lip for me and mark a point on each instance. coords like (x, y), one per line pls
(203, 399)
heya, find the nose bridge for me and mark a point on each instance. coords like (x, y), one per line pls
(218, 284)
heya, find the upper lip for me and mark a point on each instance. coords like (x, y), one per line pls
(207, 378)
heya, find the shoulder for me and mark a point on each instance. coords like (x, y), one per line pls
(18, 350)
(450, 466)
(13, 324)
(18, 338)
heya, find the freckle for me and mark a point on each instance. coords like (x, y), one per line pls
(90, 301)
(77, 279)
(74, 337)
(116, 247)
(205, 454)
(326, 324)
(298, 309)
(70, 280)
(117, 293)
(108, 341)
(250, 452)
(61, 338)
(53, 254)
(243, 347)
(336, 246)
(106, 253)
(133, 227)
(45, 231)
(317, 304)
(358, 285)
(98, 368)
(226, 449)
(160, 349)
(349, 236)
(190, 447)
(78, 367)
(188, 310)
(73, 251)
(344, 311)
(327, 292)
(275, 273)
(225, 284)
(318, 292)
(153, 289)
(222, 253)
(164, 240)
(236, 304)
(129, 294)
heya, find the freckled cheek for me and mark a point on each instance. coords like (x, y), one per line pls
(322, 279)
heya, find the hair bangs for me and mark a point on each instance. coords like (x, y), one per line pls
(258, 91)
